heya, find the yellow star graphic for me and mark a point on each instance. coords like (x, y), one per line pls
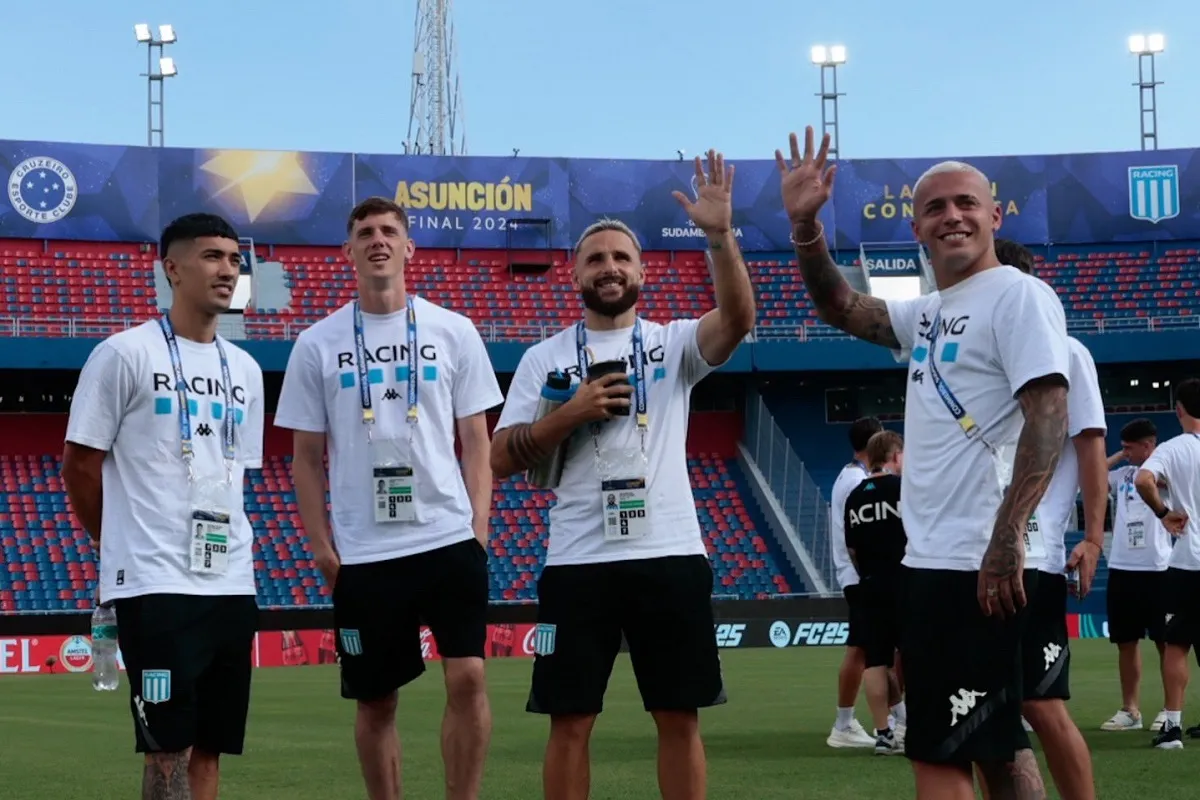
(260, 175)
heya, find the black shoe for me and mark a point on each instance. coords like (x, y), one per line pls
(1169, 738)
(1193, 732)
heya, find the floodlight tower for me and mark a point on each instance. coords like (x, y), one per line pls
(435, 116)
(829, 58)
(154, 79)
(1146, 47)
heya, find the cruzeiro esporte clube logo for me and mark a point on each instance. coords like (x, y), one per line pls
(206, 401)
(388, 361)
(42, 189)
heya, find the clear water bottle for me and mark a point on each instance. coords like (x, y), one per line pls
(105, 674)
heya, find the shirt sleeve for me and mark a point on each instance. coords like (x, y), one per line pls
(837, 514)
(1031, 333)
(524, 392)
(475, 386)
(904, 315)
(301, 404)
(693, 367)
(106, 386)
(1085, 405)
(253, 428)
(1164, 461)
(1114, 481)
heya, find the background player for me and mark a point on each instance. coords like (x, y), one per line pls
(875, 541)
(1176, 462)
(1137, 574)
(847, 731)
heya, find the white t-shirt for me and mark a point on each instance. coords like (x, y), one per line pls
(847, 481)
(576, 520)
(1000, 329)
(1085, 411)
(320, 394)
(1140, 543)
(1177, 461)
(126, 405)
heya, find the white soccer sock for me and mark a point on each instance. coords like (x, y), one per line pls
(1173, 717)
(844, 717)
(900, 712)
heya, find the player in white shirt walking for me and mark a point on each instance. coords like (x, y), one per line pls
(165, 419)
(986, 409)
(848, 731)
(644, 571)
(387, 381)
(1137, 568)
(1176, 462)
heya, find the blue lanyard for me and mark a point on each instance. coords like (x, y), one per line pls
(639, 368)
(964, 420)
(364, 374)
(185, 416)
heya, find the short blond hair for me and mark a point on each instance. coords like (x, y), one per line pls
(882, 447)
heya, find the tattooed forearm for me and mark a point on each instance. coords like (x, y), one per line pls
(837, 303)
(522, 447)
(1044, 404)
(166, 777)
(1020, 780)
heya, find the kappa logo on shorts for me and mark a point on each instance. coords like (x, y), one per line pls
(156, 685)
(1050, 654)
(543, 639)
(962, 704)
(351, 642)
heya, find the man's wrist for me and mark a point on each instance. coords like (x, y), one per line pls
(1162, 512)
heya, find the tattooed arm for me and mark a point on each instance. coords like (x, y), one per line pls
(837, 303)
(1044, 405)
(525, 444)
(1019, 780)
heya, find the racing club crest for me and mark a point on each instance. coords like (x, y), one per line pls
(42, 189)
(1154, 193)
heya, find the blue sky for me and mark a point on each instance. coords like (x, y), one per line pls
(621, 79)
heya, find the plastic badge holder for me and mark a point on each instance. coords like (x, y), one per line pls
(602, 368)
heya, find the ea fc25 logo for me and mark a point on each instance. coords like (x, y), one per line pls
(1154, 193)
(42, 189)
(809, 634)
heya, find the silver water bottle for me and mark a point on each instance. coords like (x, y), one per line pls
(555, 391)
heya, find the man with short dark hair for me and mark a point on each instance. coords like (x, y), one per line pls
(387, 382)
(166, 418)
(643, 572)
(848, 731)
(1176, 462)
(875, 541)
(1137, 569)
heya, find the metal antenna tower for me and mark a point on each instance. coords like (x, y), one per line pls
(435, 117)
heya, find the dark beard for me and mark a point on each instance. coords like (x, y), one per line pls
(592, 301)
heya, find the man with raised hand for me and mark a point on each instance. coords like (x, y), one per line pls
(985, 424)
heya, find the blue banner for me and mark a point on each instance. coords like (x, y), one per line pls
(112, 193)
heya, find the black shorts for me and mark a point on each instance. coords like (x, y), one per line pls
(1135, 605)
(378, 610)
(881, 623)
(1182, 603)
(1045, 647)
(188, 663)
(962, 671)
(664, 608)
(855, 611)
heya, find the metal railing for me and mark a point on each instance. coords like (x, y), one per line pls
(21, 326)
(805, 507)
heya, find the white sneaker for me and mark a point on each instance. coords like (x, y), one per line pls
(854, 735)
(1125, 721)
(1159, 720)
